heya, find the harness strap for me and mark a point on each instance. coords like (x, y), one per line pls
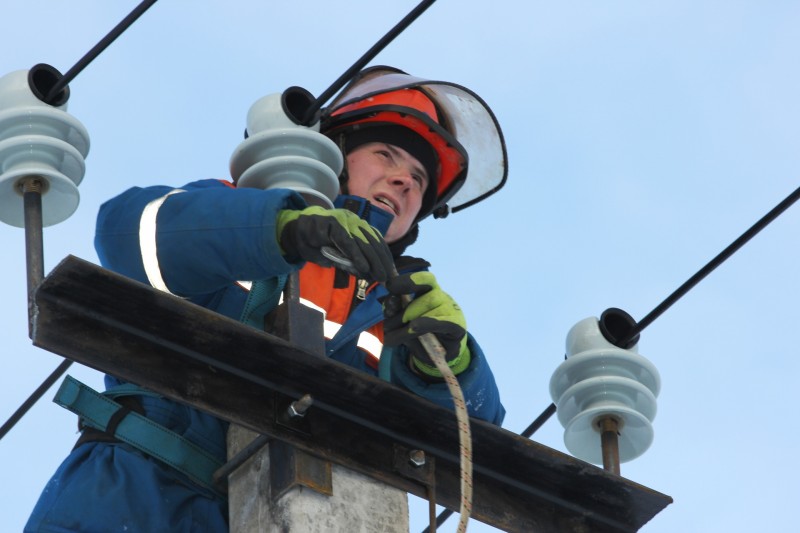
(263, 297)
(90, 434)
(104, 414)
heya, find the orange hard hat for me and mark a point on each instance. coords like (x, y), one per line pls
(384, 104)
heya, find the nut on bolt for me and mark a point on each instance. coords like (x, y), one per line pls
(416, 457)
(298, 408)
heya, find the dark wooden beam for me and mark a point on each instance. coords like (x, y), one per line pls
(190, 354)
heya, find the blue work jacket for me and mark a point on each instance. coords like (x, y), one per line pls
(206, 238)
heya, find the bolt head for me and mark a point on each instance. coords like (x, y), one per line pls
(416, 458)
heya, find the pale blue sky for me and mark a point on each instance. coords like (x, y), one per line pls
(643, 138)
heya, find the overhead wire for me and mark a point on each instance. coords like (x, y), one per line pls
(431, 344)
(362, 62)
(34, 397)
(51, 95)
(120, 28)
(668, 302)
(97, 49)
(314, 106)
(720, 258)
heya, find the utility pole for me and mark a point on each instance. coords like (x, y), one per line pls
(280, 488)
(349, 502)
(380, 434)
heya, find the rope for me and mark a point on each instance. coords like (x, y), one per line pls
(437, 354)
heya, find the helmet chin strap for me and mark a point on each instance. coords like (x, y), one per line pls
(345, 174)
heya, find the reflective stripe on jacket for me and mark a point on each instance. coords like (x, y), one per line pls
(200, 242)
(319, 289)
(210, 236)
(330, 291)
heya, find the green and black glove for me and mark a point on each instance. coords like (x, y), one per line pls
(303, 234)
(431, 311)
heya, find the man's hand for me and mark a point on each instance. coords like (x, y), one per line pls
(431, 311)
(302, 234)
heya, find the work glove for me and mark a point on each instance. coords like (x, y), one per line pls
(314, 234)
(431, 311)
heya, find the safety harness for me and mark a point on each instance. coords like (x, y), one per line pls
(119, 423)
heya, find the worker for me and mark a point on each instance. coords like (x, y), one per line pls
(402, 141)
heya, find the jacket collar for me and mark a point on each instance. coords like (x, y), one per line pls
(377, 217)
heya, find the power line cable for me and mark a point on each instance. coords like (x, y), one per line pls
(368, 56)
(762, 223)
(35, 266)
(310, 112)
(92, 54)
(34, 397)
(54, 92)
(668, 302)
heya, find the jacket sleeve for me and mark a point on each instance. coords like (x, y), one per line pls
(198, 238)
(477, 383)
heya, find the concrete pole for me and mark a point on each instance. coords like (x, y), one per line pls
(282, 489)
(357, 504)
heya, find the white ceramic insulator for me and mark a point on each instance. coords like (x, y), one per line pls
(600, 380)
(41, 141)
(281, 154)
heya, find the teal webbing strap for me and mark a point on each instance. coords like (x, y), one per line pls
(263, 298)
(128, 389)
(140, 432)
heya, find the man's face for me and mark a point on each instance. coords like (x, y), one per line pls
(390, 178)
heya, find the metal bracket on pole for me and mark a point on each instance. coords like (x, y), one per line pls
(297, 323)
(303, 326)
(291, 467)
